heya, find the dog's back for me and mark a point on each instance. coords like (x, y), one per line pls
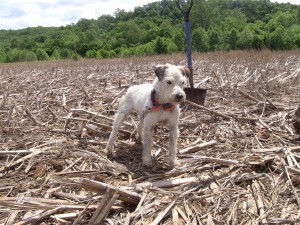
(138, 104)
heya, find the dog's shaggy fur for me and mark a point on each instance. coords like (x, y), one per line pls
(154, 102)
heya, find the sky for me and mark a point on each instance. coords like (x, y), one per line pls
(19, 14)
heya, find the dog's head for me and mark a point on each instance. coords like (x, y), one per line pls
(170, 83)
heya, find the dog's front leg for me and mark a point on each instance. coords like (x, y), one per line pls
(140, 128)
(173, 135)
(147, 142)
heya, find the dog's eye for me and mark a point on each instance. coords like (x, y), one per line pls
(182, 82)
(169, 82)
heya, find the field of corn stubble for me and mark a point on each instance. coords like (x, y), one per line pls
(239, 154)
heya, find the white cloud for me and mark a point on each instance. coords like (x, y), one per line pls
(17, 14)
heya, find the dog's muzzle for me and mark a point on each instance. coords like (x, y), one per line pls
(179, 97)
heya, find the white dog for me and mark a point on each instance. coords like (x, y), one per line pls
(154, 102)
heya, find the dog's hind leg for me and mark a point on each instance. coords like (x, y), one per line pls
(123, 111)
(173, 135)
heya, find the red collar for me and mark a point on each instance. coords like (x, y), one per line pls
(156, 104)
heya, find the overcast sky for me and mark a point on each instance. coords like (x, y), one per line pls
(18, 14)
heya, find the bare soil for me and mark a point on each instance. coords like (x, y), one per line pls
(239, 153)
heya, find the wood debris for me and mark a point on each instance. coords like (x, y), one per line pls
(239, 154)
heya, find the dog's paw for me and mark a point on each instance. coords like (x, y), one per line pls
(147, 163)
(174, 164)
(107, 152)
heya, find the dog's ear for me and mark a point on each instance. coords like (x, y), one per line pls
(159, 71)
(186, 71)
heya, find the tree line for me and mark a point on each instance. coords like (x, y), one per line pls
(158, 28)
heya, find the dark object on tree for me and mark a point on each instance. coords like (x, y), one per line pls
(196, 95)
(296, 120)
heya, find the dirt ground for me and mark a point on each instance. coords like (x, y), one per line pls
(239, 153)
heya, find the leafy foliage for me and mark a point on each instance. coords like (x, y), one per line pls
(158, 28)
(41, 54)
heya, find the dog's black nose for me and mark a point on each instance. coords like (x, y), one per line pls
(179, 96)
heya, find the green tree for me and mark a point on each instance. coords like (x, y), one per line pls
(151, 31)
(103, 53)
(83, 48)
(204, 14)
(132, 33)
(296, 30)
(91, 53)
(258, 31)
(122, 15)
(284, 19)
(2, 57)
(68, 54)
(15, 42)
(200, 40)
(276, 39)
(106, 22)
(145, 49)
(233, 39)
(166, 29)
(178, 38)
(85, 24)
(127, 33)
(41, 54)
(40, 38)
(234, 20)
(160, 46)
(214, 39)
(17, 55)
(56, 55)
(29, 44)
(245, 39)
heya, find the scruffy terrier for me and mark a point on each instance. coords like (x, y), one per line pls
(154, 102)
